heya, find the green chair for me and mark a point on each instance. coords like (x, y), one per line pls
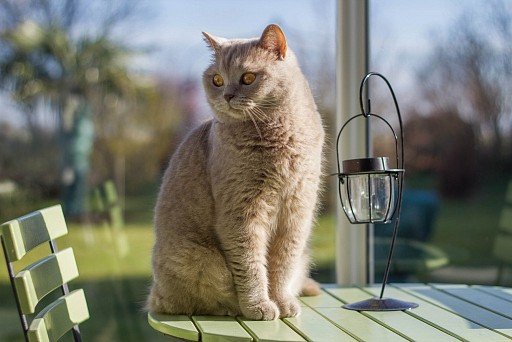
(43, 277)
(502, 249)
(106, 205)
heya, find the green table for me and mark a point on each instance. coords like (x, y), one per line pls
(445, 313)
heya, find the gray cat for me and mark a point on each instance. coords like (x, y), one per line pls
(237, 203)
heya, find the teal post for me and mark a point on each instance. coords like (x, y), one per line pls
(77, 145)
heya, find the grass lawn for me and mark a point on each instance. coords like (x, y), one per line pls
(115, 273)
(466, 230)
(115, 266)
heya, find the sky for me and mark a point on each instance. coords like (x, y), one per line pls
(396, 26)
(175, 26)
(401, 33)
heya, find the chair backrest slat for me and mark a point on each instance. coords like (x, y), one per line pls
(113, 205)
(502, 246)
(59, 317)
(508, 195)
(506, 219)
(37, 280)
(45, 276)
(27, 232)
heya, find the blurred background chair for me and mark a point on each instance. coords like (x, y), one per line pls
(106, 204)
(502, 249)
(499, 272)
(107, 210)
(34, 283)
(414, 256)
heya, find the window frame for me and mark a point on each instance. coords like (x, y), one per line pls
(354, 243)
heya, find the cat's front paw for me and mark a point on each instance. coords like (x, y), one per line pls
(266, 311)
(288, 307)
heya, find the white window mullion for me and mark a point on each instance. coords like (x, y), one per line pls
(351, 66)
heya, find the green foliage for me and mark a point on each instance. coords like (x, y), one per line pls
(445, 146)
(30, 160)
(466, 229)
(116, 283)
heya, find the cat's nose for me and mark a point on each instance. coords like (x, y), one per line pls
(228, 97)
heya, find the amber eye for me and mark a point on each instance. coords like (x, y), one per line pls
(248, 78)
(218, 80)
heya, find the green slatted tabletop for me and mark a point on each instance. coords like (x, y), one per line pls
(445, 313)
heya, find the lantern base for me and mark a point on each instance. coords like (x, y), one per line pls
(381, 304)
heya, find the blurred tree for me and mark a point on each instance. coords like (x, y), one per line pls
(443, 144)
(44, 59)
(469, 73)
(136, 134)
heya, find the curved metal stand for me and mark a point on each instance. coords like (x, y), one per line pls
(380, 303)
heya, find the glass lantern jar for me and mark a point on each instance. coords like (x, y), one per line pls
(369, 190)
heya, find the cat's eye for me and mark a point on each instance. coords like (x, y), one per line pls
(218, 81)
(248, 78)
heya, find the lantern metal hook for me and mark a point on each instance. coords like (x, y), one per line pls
(397, 108)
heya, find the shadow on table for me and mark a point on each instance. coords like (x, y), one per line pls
(460, 300)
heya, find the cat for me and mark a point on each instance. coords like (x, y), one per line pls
(237, 202)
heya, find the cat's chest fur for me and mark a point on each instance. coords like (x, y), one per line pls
(276, 158)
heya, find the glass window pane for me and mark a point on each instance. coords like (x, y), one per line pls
(94, 99)
(449, 62)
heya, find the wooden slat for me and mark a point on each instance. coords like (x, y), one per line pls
(358, 325)
(276, 330)
(27, 232)
(219, 328)
(462, 308)
(314, 327)
(441, 316)
(179, 326)
(323, 300)
(447, 321)
(37, 280)
(353, 323)
(398, 321)
(497, 291)
(488, 301)
(59, 317)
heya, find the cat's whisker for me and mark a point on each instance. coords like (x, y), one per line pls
(267, 105)
(259, 114)
(254, 122)
(262, 113)
(258, 117)
(269, 100)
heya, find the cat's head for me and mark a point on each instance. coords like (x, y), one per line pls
(248, 77)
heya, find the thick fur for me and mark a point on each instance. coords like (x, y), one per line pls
(237, 202)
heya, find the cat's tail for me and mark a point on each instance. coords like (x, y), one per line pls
(310, 288)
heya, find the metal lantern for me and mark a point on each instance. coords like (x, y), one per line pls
(370, 191)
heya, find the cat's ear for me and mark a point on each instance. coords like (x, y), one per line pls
(273, 39)
(213, 42)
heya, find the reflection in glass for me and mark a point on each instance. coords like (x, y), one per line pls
(375, 200)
